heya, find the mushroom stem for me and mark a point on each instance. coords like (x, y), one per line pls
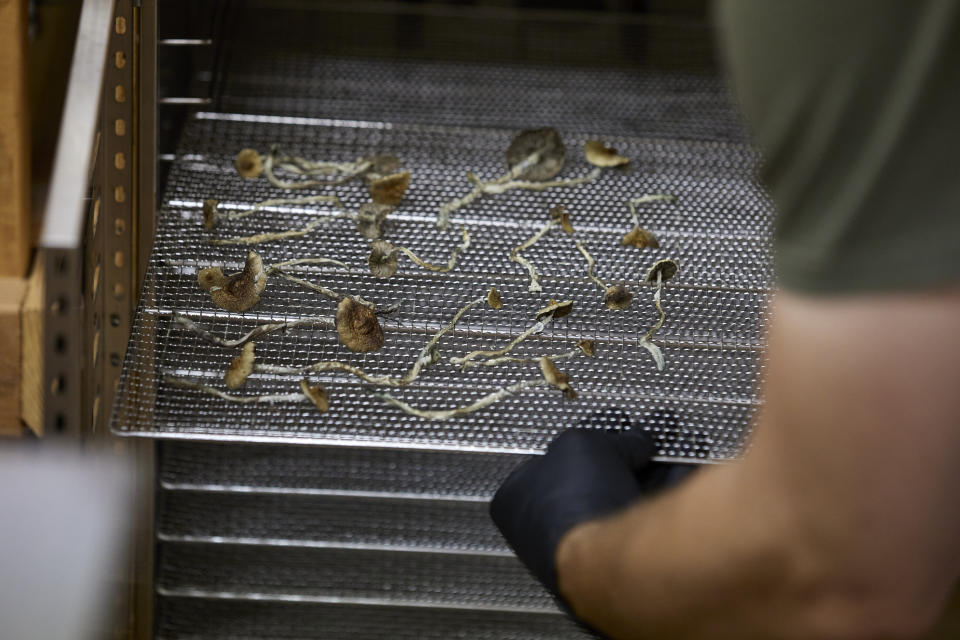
(655, 197)
(301, 166)
(319, 288)
(183, 383)
(451, 263)
(273, 268)
(446, 414)
(492, 362)
(262, 330)
(516, 257)
(466, 360)
(495, 188)
(507, 183)
(424, 358)
(277, 235)
(443, 219)
(261, 206)
(645, 340)
(590, 264)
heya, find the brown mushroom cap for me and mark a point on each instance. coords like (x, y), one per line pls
(242, 290)
(600, 155)
(666, 268)
(493, 298)
(316, 394)
(357, 327)
(390, 189)
(248, 162)
(556, 377)
(587, 347)
(240, 368)
(556, 309)
(211, 277)
(210, 213)
(640, 238)
(547, 143)
(382, 259)
(558, 215)
(617, 297)
(369, 218)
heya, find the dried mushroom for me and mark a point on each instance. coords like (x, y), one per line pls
(253, 334)
(382, 259)
(358, 327)
(614, 296)
(211, 277)
(316, 394)
(370, 217)
(240, 291)
(559, 216)
(212, 216)
(544, 317)
(390, 189)
(557, 378)
(210, 213)
(555, 309)
(334, 173)
(587, 347)
(429, 355)
(240, 368)
(482, 403)
(660, 272)
(493, 298)
(600, 155)
(248, 162)
(617, 297)
(536, 154)
(640, 238)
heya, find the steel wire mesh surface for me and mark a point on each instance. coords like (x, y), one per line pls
(717, 231)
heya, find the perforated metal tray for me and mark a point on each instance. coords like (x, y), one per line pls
(717, 230)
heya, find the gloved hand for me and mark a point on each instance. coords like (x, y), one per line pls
(584, 474)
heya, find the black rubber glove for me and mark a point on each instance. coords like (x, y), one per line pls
(584, 474)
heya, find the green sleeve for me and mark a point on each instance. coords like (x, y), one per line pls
(855, 105)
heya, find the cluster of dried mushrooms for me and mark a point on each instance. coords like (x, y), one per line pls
(534, 158)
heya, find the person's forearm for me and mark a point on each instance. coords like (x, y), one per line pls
(710, 566)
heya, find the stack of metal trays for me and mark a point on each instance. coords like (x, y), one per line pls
(379, 528)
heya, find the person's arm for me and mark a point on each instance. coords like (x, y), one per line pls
(843, 520)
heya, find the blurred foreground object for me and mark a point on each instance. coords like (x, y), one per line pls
(63, 541)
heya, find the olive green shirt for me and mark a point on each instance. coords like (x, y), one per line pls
(855, 105)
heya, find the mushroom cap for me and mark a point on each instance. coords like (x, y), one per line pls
(369, 218)
(556, 377)
(382, 259)
(559, 215)
(600, 155)
(390, 189)
(547, 143)
(666, 268)
(211, 277)
(248, 162)
(316, 394)
(640, 238)
(358, 327)
(587, 347)
(210, 213)
(617, 297)
(493, 298)
(242, 290)
(240, 368)
(556, 309)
